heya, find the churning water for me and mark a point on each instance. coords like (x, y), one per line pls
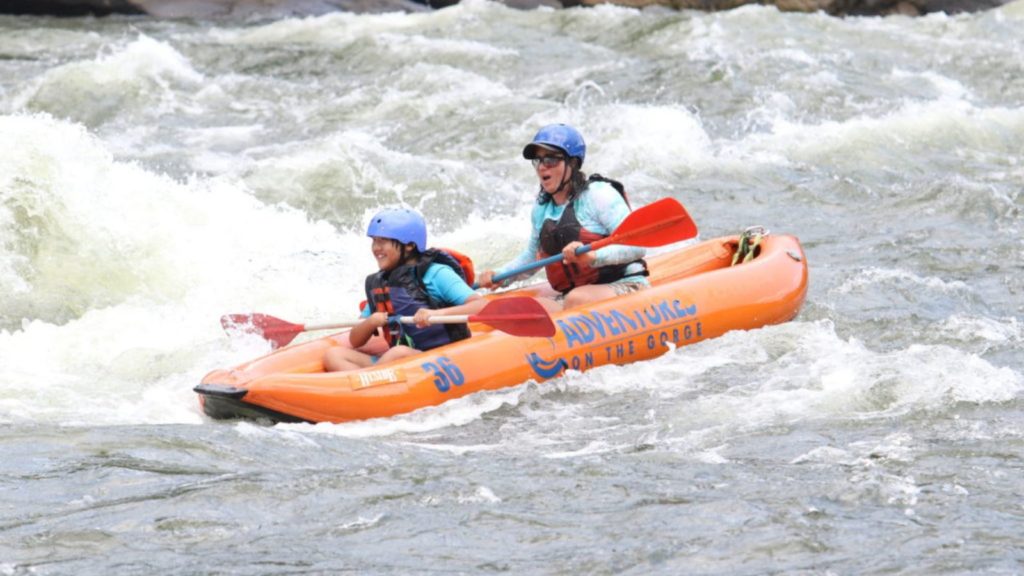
(156, 175)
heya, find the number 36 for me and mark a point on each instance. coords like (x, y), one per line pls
(445, 373)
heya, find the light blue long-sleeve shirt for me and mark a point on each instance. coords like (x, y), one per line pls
(600, 209)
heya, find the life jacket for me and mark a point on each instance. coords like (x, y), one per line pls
(556, 235)
(401, 291)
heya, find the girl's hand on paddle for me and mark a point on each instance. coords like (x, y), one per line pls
(422, 317)
(569, 253)
(379, 319)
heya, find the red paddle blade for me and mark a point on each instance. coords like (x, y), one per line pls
(657, 224)
(517, 316)
(278, 332)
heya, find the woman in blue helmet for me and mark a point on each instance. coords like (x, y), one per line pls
(573, 210)
(411, 281)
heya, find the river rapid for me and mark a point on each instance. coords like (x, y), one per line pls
(155, 175)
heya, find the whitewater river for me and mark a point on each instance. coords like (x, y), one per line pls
(157, 175)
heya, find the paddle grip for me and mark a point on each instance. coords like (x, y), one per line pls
(537, 264)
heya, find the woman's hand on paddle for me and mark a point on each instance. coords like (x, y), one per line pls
(569, 253)
(485, 279)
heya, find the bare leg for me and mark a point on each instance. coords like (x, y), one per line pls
(397, 352)
(549, 304)
(583, 295)
(340, 358)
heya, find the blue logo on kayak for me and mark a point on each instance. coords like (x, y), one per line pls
(546, 369)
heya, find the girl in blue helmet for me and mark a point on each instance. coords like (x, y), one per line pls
(411, 281)
(573, 210)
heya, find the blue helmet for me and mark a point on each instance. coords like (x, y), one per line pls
(560, 136)
(400, 224)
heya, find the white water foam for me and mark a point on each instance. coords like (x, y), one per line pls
(780, 375)
(141, 73)
(815, 374)
(121, 276)
(457, 412)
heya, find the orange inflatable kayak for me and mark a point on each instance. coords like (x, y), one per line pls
(696, 293)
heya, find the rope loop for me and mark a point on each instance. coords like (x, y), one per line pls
(750, 244)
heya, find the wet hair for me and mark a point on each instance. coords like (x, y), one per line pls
(407, 251)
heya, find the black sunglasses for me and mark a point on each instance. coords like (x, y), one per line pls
(549, 161)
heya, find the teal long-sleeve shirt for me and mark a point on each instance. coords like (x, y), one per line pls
(600, 209)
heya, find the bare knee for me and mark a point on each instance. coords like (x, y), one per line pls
(586, 294)
(396, 352)
(340, 359)
(550, 304)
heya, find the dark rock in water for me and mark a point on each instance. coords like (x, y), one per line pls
(69, 7)
(206, 8)
(270, 8)
(283, 8)
(833, 7)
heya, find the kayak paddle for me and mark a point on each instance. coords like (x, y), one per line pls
(657, 224)
(518, 316)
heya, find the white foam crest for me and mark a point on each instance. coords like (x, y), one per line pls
(426, 47)
(123, 275)
(336, 29)
(340, 29)
(592, 448)
(104, 230)
(1012, 10)
(29, 42)
(351, 158)
(141, 73)
(132, 363)
(946, 88)
(429, 89)
(871, 277)
(636, 141)
(359, 524)
(996, 330)
(730, 37)
(69, 374)
(869, 466)
(829, 455)
(280, 434)
(746, 381)
(361, 169)
(489, 241)
(943, 123)
(482, 495)
(454, 413)
(821, 376)
(634, 138)
(692, 38)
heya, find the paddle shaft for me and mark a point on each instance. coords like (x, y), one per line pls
(620, 238)
(518, 316)
(464, 318)
(439, 319)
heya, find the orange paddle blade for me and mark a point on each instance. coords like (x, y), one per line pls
(519, 316)
(278, 332)
(657, 224)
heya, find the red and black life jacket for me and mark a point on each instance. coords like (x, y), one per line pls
(401, 291)
(556, 235)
